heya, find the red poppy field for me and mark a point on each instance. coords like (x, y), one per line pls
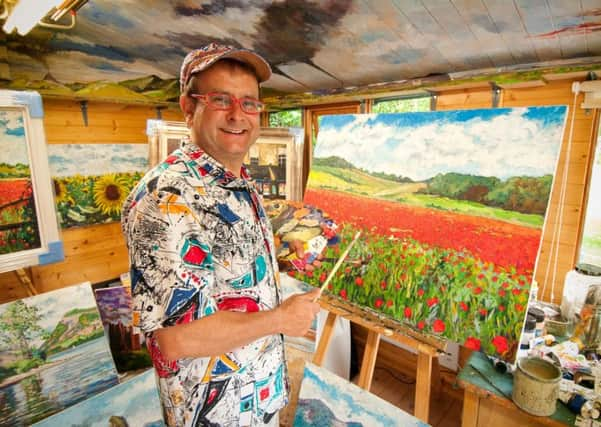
(462, 277)
(18, 229)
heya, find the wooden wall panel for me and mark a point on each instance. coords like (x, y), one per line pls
(568, 235)
(95, 253)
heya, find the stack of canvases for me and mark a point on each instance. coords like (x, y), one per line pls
(56, 366)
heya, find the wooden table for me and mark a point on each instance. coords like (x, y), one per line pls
(487, 399)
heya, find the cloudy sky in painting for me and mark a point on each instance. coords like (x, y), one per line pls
(13, 147)
(136, 400)
(96, 159)
(493, 142)
(53, 305)
(349, 402)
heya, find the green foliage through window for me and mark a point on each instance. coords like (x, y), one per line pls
(407, 105)
(286, 119)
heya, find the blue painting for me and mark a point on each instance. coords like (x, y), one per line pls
(325, 399)
(132, 403)
(53, 354)
(91, 181)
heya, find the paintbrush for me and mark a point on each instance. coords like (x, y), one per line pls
(338, 264)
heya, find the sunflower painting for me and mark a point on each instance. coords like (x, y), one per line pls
(91, 181)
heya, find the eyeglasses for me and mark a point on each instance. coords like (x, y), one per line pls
(225, 102)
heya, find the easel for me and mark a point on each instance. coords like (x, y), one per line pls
(26, 281)
(427, 348)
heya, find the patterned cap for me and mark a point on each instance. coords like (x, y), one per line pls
(201, 59)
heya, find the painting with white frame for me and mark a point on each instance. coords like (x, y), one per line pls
(29, 231)
(272, 144)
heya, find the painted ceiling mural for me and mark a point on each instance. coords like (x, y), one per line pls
(132, 50)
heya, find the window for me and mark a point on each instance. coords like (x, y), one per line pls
(590, 248)
(402, 105)
(286, 119)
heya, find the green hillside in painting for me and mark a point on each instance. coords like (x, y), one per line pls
(520, 200)
(14, 171)
(77, 326)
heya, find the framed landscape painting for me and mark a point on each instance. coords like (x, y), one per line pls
(29, 233)
(53, 354)
(274, 161)
(451, 206)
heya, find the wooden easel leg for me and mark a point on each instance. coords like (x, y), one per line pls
(471, 403)
(324, 340)
(422, 386)
(25, 280)
(369, 360)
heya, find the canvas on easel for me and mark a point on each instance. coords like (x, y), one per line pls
(451, 205)
(29, 233)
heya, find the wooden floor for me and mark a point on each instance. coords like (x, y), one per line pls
(445, 409)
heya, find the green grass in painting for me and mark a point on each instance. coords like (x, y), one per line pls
(353, 181)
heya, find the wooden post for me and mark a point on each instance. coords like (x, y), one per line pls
(324, 341)
(26, 280)
(423, 385)
(369, 360)
(471, 403)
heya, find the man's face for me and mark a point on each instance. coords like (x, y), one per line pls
(225, 135)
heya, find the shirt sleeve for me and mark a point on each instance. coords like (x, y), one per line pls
(172, 271)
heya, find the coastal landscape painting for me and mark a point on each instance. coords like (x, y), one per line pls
(53, 354)
(135, 402)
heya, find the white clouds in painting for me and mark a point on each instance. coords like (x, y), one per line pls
(96, 159)
(350, 403)
(13, 147)
(493, 142)
(136, 400)
(53, 305)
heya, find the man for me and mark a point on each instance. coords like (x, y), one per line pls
(203, 268)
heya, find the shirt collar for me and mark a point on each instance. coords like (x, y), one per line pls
(206, 165)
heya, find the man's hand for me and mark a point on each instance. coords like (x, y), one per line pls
(296, 313)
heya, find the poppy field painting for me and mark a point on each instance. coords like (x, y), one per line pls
(29, 233)
(451, 206)
(18, 220)
(91, 181)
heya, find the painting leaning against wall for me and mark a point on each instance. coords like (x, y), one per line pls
(451, 205)
(325, 399)
(91, 181)
(132, 403)
(48, 342)
(127, 345)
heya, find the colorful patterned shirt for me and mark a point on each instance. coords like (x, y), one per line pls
(199, 241)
